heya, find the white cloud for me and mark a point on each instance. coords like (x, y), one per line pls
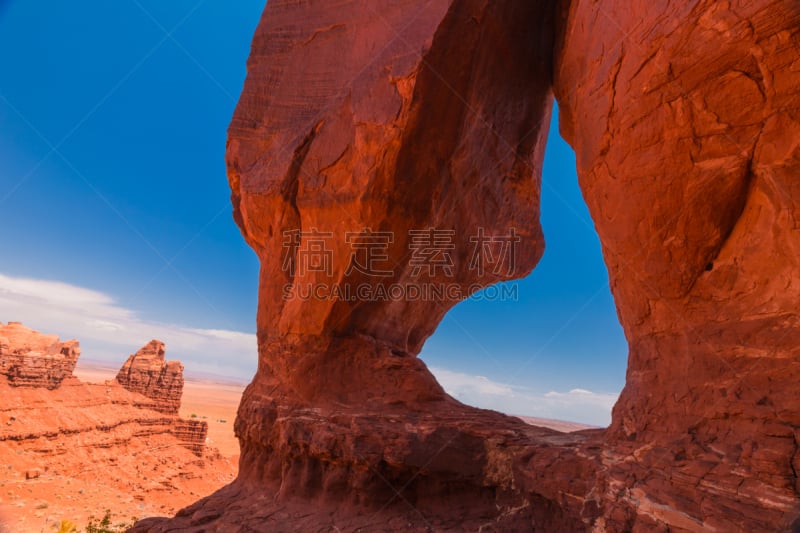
(458, 385)
(110, 332)
(577, 391)
(577, 405)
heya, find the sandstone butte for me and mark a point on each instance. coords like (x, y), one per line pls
(58, 434)
(148, 373)
(395, 115)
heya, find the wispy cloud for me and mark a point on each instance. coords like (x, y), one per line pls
(576, 405)
(110, 332)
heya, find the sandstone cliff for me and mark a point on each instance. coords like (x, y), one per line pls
(148, 373)
(30, 359)
(368, 120)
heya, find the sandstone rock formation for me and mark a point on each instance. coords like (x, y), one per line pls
(149, 374)
(192, 433)
(114, 439)
(686, 124)
(28, 358)
(367, 120)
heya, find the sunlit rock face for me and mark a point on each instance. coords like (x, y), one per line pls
(151, 375)
(31, 359)
(373, 121)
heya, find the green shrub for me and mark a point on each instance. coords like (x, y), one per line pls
(104, 525)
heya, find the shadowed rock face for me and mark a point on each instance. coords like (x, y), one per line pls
(392, 116)
(376, 139)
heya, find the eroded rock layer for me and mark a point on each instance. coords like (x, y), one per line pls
(31, 359)
(95, 436)
(148, 373)
(192, 433)
(369, 121)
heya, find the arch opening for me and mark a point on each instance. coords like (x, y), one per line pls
(548, 347)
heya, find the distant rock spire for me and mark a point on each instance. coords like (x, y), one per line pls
(148, 373)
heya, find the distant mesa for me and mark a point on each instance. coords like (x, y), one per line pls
(31, 359)
(148, 373)
(154, 386)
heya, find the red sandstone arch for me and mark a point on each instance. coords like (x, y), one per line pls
(402, 114)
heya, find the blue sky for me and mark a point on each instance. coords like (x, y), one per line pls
(115, 222)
